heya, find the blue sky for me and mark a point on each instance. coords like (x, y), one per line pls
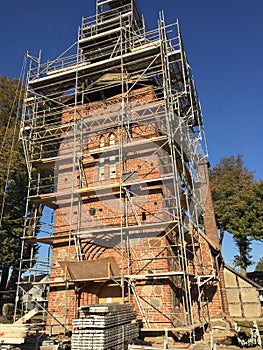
(224, 44)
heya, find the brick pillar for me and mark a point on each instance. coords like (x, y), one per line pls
(210, 228)
(209, 214)
(223, 292)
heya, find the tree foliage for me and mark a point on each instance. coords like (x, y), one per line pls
(259, 266)
(243, 260)
(237, 199)
(13, 180)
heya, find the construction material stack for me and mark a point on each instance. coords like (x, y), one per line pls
(104, 326)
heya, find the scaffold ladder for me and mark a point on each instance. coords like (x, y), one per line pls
(83, 177)
(78, 247)
(141, 308)
(133, 207)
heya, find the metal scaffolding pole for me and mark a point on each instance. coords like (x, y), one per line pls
(114, 132)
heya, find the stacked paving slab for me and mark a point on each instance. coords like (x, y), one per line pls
(104, 326)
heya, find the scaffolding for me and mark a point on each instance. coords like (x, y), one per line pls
(114, 137)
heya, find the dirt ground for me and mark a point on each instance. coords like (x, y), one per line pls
(222, 339)
(218, 347)
(203, 346)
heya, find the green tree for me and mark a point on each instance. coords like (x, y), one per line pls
(243, 260)
(11, 229)
(237, 199)
(13, 180)
(259, 266)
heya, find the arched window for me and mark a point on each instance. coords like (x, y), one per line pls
(112, 139)
(102, 142)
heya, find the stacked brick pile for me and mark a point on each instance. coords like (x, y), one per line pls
(104, 326)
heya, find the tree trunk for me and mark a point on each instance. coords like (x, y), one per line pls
(221, 237)
(13, 279)
(4, 279)
(244, 259)
(243, 271)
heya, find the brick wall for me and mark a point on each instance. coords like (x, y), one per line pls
(151, 251)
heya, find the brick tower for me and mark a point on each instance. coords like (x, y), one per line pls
(114, 134)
